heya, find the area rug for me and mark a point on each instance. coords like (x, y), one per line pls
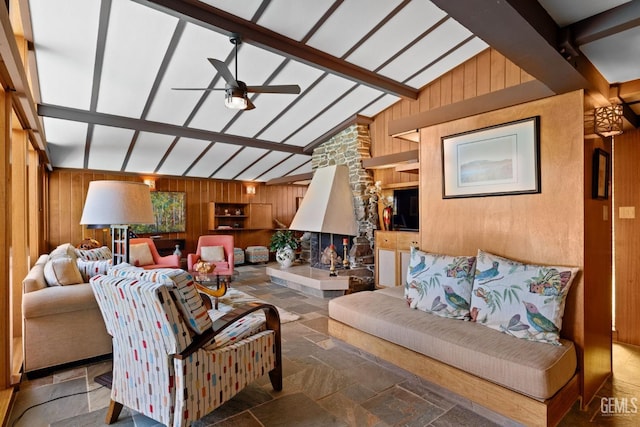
(234, 297)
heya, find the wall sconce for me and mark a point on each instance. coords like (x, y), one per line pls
(608, 120)
(251, 189)
(151, 183)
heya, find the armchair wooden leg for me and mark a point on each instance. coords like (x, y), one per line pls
(275, 375)
(114, 412)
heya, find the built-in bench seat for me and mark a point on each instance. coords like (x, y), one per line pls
(530, 382)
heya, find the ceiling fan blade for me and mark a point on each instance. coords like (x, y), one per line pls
(224, 71)
(206, 89)
(295, 89)
(250, 105)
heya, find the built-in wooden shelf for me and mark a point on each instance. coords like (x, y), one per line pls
(409, 168)
(391, 160)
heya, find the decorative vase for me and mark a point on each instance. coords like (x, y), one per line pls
(386, 217)
(177, 251)
(285, 257)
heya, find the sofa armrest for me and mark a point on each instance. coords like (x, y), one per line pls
(34, 280)
(192, 259)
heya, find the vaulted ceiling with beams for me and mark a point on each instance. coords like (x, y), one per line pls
(107, 71)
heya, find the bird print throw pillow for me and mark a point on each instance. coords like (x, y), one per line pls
(522, 300)
(439, 284)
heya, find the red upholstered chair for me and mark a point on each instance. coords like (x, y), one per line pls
(224, 240)
(169, 261)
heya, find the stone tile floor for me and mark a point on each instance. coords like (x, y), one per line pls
(326, 383)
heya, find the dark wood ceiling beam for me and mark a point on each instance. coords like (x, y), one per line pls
(203, 14)
(290, 179)
(66, 113)
(605, 24)
(526, 34)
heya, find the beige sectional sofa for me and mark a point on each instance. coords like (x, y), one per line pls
(61, 324)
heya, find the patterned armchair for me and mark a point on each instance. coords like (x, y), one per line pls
(171, 362)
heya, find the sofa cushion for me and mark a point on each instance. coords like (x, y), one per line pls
(94, 254)
(62, 271)
(88, 269)
(63, 250)
(528, 367)
(212, 253)
(440, 284)
(140, 254)
(54, 300)
(522, 300)
(182, 287)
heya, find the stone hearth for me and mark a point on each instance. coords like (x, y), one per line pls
(312, 281)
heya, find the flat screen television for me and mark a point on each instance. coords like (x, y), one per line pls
(406, 212)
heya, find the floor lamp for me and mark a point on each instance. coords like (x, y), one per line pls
(119, 203)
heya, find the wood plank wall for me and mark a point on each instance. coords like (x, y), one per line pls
(626, 157)
(68, 189)
(487, 72)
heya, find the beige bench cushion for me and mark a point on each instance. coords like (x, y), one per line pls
(536, 369)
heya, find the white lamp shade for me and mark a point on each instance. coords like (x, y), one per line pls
(117, 202)
(327, 207)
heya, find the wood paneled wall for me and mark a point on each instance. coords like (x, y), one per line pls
(627, 236)
(487, 72)
(68, 189)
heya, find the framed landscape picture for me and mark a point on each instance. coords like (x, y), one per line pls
(169, 211)
(493, 161)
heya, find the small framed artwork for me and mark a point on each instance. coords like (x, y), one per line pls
(601, 172)
(494, 161)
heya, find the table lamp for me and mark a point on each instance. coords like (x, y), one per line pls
(119, 203)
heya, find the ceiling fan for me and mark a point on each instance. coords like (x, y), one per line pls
(236, 90)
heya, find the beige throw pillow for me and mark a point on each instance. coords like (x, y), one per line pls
(212, 253)
(140, 254)
(62, 271)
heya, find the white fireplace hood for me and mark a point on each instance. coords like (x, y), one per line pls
(327, 206)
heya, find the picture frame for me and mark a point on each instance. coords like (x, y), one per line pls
(492, 161)
(169, 211)
(601, 172)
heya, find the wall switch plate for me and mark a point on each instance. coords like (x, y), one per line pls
(627, 212)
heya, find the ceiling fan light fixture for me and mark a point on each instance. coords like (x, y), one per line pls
(235, 99)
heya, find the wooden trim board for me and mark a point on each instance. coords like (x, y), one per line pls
(509, 403)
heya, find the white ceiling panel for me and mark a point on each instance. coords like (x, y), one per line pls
(304, 168)
(460, 55)
(244, 158)
(616, 65)
(66, 142)
(351, 21)
(109, 147)
(148, 152)
(427, 50)
(321, 96)
(379, 105)
(268, 106)
(293, 19)
(346, 107)
(269, 161)
(189, 67)
(183, 154)
(283, 168)
(65, 48)
(245, 9)
(132, 57)
(217, 156)
(401, 30)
